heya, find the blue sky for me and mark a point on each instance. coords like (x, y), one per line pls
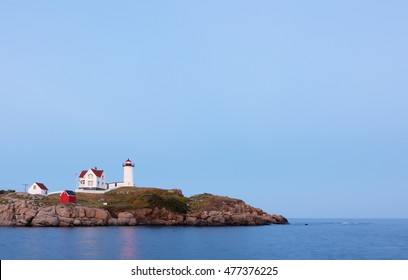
(296, 107)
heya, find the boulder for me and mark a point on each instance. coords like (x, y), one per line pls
(124, 218)
(6, 215)
(113, 222)
(51, 221)
(90, 212)
(24, 216)
(64, 211)
(66, 222)
(101, 214)
(191, 221)
(46, 217)
(238, 219)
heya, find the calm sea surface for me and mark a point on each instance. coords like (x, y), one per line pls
(321, 239)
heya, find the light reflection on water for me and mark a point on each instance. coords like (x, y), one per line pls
(128, 243)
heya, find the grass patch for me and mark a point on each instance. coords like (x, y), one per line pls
(132, 199)
(209, 202)
(129, 199)
(174, 204)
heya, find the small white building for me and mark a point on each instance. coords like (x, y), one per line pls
(38, 188)
(92, 179)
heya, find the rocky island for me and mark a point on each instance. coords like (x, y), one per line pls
(130, 206)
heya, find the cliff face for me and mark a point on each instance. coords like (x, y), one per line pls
(33, 212)
(204, 210)
(207, 209)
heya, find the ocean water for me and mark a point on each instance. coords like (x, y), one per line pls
(320, 239)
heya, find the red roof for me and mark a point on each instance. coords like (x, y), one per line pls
(69, 193)
(41, 186)
(97, 172)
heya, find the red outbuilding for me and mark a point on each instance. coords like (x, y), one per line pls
(68, 197)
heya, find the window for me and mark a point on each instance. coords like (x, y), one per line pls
(90, 183)
(90, 176)
(34, 187)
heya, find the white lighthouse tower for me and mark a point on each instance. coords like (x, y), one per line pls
(128, 173)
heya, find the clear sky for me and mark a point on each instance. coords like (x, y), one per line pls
(297, 107)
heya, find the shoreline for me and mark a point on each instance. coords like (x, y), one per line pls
(132, 207)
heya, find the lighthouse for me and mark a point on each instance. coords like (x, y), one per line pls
(128, 173)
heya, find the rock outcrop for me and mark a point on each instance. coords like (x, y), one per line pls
(26, 214)
(30, 210)
(70, 215)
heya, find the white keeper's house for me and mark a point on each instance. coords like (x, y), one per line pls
(94, 179)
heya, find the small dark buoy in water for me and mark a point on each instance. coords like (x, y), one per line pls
(306, 224)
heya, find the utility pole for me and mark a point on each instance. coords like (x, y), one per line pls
(25, 187)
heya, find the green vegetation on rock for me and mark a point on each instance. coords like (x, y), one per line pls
(131, 198)
(209, 202)
(131, 206)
